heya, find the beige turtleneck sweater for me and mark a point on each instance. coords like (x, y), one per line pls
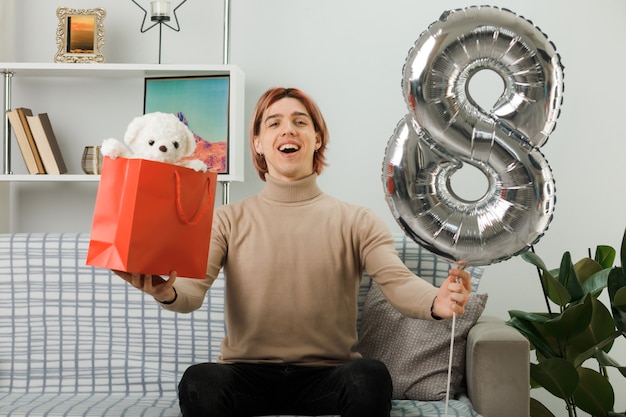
(293, 258)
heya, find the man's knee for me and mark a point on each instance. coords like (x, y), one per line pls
(369, 388)
(370, 369)
(370, 376)
(201, 389)
(193, 377)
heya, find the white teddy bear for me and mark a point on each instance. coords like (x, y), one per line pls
(156, 136)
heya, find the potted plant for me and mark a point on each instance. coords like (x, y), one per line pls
(572, 343)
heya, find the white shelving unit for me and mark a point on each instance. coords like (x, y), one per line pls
(118, 100)
(50, 178)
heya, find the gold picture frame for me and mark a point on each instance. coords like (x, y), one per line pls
(80, 35)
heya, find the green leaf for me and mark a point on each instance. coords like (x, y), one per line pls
(539, 410)
(605, 360)
(534, 259)
(616, 282)
(596, 282)
(523, 322)
(556, 375)
(623, 253)
(534, 384)
(555, 291)
(599, 334)
(532, 317)
(604, 345)
(572, 321)
(586, 267)
(594, 393)
(619, 300)
(569, 279)
(550, 285)
(605, 256)
(617, 294)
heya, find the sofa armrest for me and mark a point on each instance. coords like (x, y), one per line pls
(498, 369)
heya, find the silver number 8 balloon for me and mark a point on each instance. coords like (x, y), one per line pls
(445, 129)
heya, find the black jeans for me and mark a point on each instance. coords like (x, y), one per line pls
(359, 388)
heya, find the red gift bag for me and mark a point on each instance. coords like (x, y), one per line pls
(152, 218)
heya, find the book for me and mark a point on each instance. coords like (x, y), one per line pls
(24, 144)
(23, 112)
(47, 144)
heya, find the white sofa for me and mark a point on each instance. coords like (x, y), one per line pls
(77, 341)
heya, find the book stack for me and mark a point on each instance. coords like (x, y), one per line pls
(37, 142)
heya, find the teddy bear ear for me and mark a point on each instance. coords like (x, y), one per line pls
(133, 129)
(190, 139)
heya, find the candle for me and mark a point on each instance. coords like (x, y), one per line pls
(160, 10)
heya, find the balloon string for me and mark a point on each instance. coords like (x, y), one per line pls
(450, 362)
(452, 332)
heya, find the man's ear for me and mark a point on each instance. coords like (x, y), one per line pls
(257, 145)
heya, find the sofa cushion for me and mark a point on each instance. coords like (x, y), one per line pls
(91, 404)
(416, 352)
(76, 340)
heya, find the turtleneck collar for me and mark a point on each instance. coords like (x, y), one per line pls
(291, 191)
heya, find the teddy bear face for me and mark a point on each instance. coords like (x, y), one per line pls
(160, 137)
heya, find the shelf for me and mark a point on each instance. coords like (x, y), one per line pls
(93, 89)
(25, 69)
(114, 72)
(49, 178)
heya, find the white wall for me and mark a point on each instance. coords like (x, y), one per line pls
(349, 55)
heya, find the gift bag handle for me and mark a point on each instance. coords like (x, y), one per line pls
(179, 204)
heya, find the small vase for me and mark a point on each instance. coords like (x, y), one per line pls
(92, 160)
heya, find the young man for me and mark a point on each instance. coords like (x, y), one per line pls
(293, 258)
